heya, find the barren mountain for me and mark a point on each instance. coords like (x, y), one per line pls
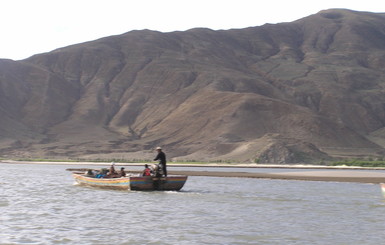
(303, 91)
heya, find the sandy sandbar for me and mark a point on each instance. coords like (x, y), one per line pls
(320, 173)
(336, 176)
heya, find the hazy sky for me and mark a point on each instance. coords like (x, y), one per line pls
(29, 27)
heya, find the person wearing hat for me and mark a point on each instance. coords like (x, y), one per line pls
(161, 157)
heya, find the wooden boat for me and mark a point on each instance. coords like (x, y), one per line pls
(383, 188)
(136, 183)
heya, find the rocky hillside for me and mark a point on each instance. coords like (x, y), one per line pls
(303, 91)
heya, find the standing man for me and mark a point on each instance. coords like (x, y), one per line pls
(161, 157)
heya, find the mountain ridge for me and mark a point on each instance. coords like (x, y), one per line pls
(279, 93)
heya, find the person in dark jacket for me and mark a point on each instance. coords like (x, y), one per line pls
(161, 157)
(122, 172)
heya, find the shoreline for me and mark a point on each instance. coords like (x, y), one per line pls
(210, 165)
(320, 173)
(341, 176)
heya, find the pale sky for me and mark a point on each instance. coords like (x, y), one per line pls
(30, 27)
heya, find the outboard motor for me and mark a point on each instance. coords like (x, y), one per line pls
(157, 170)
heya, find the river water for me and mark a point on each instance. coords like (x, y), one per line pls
(40, 204)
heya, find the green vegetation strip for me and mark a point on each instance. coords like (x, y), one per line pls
(353, 163)
(359, 163)
(117, 160)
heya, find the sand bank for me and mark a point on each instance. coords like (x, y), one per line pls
(336, 176)
(320, 173)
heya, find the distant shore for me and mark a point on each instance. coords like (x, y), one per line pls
(320, 173)
(213, 165)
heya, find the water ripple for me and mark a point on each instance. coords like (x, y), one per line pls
(46, 208)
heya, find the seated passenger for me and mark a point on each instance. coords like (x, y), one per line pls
(102, 173)
(122, 172)
(100, 176)
(147, 171)
(112, 172)
(90, 173)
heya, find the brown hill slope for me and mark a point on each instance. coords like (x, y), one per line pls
(289, 92)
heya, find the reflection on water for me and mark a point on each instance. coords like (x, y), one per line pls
(40, 205)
